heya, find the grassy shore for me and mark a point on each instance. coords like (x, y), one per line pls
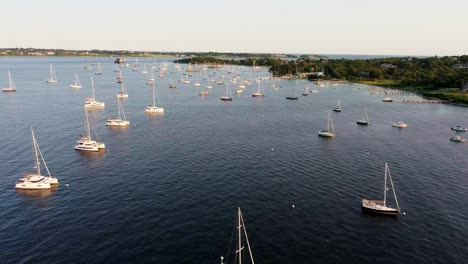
(451, 94)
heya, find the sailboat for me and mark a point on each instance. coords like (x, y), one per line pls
(241, 237)
(228, 96)
(327, 133)
(118, 121)
(197, 83)
(86, 143)
(91, 102)
(259, 92)
(153, 108)
(380, 206)
(36, 181)
(122, 94)
(12, 87)
(338, 107)
(77, 84)
(144, 70)
(306, 91)
(365, 120)
(136, 65)
(293, 96)
(53, 78)
(120, 78)
(173, 84)
(98, 71)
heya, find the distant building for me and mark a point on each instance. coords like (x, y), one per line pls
(318, 73)
(460, 66)
(387, 65)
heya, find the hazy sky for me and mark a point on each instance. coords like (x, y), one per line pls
(398, 27)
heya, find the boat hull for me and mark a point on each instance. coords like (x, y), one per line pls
(362, 123)
(291, 98)
(377, 207)
(8, 90)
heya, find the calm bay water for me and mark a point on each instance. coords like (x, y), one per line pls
(167, 189)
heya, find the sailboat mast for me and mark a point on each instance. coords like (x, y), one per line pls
(247, 239)
(51, 70)
(154, 101)
(36, 156)
(385, 186)
(87, 125)
(92, 88)
(239, 240)
(328, 122)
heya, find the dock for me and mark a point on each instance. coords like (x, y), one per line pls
(425, 101)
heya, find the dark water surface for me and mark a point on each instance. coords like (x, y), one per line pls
(167, 189)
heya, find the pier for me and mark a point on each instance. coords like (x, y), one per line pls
(425, 101)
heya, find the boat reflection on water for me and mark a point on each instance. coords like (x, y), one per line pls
(36, 193)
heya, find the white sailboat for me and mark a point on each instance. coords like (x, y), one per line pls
(381, 206)
(36, 181)
(293, 96)
(53, 78)
(306, 91)
(120, 78)
(400, 124)
(228, 96)
(145, 71)
(258, 93)
(98, 71)
(118, 121)
(328, 133)
(77, 84)
(197, 83)
(86, 143)
(122, 94)
(242, 241)
(91, 101)
(338, 107)
(153, 108)
(365, 120)
(11, 87)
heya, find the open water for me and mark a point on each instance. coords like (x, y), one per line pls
(167, 188)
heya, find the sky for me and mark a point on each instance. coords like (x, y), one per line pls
(374, 27)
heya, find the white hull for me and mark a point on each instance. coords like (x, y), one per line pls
(94, 104)
(6, 90)
(116, 122)
(75, 86)
(85, 144)
(122, 95)
(33, 182)
(154, 109)
(326, 134)
(400, 125)
(258, 95)
(51, 81)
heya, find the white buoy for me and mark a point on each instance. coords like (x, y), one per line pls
(293, 206)
(272, 149)
(404, 213)
(66, 184)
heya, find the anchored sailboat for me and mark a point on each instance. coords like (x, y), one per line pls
(12, 87)
(122, 94)
(327, 133)
(293, 96)
(241, 237)
(91, 102)
(36, 181)
(381, 206)
(53, 78)
(118, 121)
(98, 71)
(259, 92)
(86, 143)
(228, 96)
(153, 108)
(338, 107)
(77, 84)
(365, 120)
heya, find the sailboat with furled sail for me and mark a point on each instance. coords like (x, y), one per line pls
(328, 133)
(150, 109)
(242, 242)
(381, 206)
(77, 84)
(91, 101)
(123, 93)
(37, 181)
(53, 78)
(118, 121)
(86, 143)
(12, 87)
(365, 120)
